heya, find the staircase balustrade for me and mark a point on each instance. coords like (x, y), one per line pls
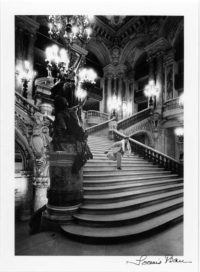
(96, 117)
(135, 118)
(98, 127)
(173, 104)
(153, 155)
(25, 105)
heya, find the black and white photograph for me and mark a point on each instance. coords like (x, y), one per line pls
(101, 151)
(99, 134)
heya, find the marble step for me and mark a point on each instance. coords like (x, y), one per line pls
(125, 180)
(129, 205)
(119, 174)
(127, 187)
(124, 162)
(119, 196)
(112, 169)
(128, 217)
(120, 233)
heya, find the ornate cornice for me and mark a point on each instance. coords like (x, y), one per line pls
(156, 48)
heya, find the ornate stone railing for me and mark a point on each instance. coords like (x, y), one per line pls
(153, 155)
(98, 127)
(173, 104)
(96, 117)
(25, 105)
(135, 118)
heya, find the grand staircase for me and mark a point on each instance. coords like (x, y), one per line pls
(120, 204)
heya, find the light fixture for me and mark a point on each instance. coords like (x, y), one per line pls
(25, 74)
(152, 93)
(70, 27)
(57, 60)
(179, 133)
(86, 80)
(181, 100)
(114, 103)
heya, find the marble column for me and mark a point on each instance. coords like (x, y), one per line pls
(109, 92)
(102, 103)
(40, 192)
(159, 81)
(120, 97)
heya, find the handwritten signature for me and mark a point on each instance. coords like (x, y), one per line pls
(145, 260)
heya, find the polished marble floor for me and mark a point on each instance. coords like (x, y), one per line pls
(168, 242)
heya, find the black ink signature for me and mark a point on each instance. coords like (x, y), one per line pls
(145, 260)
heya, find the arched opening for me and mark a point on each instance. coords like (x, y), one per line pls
(142, 137)
(23, 182)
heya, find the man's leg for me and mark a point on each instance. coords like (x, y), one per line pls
(119, 160)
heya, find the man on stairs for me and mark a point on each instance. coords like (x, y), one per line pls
(117, 150)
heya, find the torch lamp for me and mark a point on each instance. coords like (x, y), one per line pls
(180, 139)
(152, 93)
(25, 75)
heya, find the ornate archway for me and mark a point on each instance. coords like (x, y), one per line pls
(146, 135)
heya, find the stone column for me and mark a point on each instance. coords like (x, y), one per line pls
(40, 195)
(159, 81)
(109, 93)
(168, 63)
(120, 96)
(102, 103)
(65, 193)
(40, 141)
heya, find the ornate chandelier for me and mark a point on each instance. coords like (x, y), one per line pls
(72, 28)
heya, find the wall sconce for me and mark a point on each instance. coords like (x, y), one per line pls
(180, 137)
(152, 93)
(179, 133)
(181, 100)
(25, 75)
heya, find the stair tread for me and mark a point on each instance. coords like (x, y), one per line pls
(130, 193)
(119, 173)
(130, 214)
(131, 179)
(122, 186)
(127, 203)
(90, 169)
(122, 231)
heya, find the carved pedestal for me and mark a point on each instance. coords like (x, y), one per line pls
(65, 192)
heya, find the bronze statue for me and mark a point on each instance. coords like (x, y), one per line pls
(67, 125)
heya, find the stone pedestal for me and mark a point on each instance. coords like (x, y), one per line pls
(65, 193)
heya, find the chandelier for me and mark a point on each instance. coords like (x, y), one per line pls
(72, 28)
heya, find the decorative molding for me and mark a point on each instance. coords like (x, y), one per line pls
(157, 47)
(114, 71)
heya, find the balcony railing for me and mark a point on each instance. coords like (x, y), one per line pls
(135, 118)
(25, 105)
(153, 155)
(172, 107)
(173, 104)
(96, 117)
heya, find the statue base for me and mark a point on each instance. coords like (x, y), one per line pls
(65, 193)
